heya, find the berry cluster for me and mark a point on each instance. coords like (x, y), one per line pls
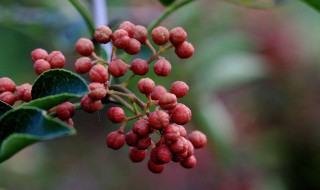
(10, 93)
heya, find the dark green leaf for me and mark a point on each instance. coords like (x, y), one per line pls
(4, 107)
(313, 3)
(26, 125)
(56, 86)
(167, 2)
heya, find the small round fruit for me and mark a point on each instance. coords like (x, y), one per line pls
(146, 85)
(139, 66)
(160, 35)
(155, 168)
(162, 67)
(189, 162)
(117, 68)
(65, 111)
(99, 73)
(157, 92)
(56, 59)
(41, 66)
(116, 114)
(24, 92)
(141, 34)
(8, 97)
(137, 155)
(115, 140)
(181, 114)
(134, 47)
(89, 105)
(177, 36)
(39, 54)
(97, 91)
(179, 88)
(198, 139)
(7, 85)
(184, 50)
(83, 65)
(129, 27)
(168, 101)
(103, 34)
(84, 46)
(158, 119)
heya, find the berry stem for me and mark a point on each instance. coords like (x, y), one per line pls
(123, 89)
(149, 45)
(97, 58)
(122, 101)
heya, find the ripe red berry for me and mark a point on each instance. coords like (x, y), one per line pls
(41, 66)
(141, 127)
(83, 65)
(39, 54)
(7, 85)
(171, 133)
(155, 168)
(179, 157)
(134, 47)
(65, 110)
(179, 88)
(116, 114)
(24, 92)
(115, 140)
(103, 34)
(160, 35)
(141, 34)
(97, 91)
(184, 50)
(139, 67)
(179, 146)
(190, 149)
(143, 143)
(164, 154)
(162, 67)
(198, 139)
(168, 101)
(183, 132)
(137, 155)
(99, 73)
(129, 27)
(84, 46)
(131, 138)
(122, 42)
(119, 33)
(189, 162)
(8, 97)
(146, 85)
(157, 92)
(89, 105)
(158, 119)
(177, 36)
(117, 68)
(181, 114)
(56, 59)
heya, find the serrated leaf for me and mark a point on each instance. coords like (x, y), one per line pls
(313, 3)
(4, 107)
(26, 125)
(56, 86)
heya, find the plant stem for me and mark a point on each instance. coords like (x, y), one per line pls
(122, 101)
(84, 15)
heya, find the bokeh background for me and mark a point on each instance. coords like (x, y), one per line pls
(254, 90)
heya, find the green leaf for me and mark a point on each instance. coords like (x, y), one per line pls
(4, 107)
(313, 3)
(56, 86)
(26, 125)
(167, 2)
(259, 4)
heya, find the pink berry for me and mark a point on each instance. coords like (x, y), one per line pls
(177, 36)
(182, 130)
(155, 168)
(137, 155)
(39, 54)
(139, 67)
(131, 138)
(41, 66)
(117, 68)
(83, 65)
(162, 67)
(168, 101)
(164, 154)
(189, 162)
(89, 105)
(119, 33)
(146, 85)
(160, 35)
(8, 97)
(24, 92)
(141, 127)
(129, 27)
(7, 85)
(181, 114)
(141, 34)
(184, 50)
(65, 110)
(179, 88)
(97, 91)
(134, 47)
(157, 92)
(158, 119)
(56, 59)
(198, 139)
(179, 146)
(122, 42)
(103, 34)
(99, 73)
(84, 46)
(143, 142)
(116, 114)
(115, 140)
(171, 133)
(190, 149)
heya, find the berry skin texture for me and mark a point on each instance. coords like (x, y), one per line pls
(160, 35)
(155, 168)
(143, 143)
(117, 68)
(115, 140)
(134, 47)
(141, 127)
(137, 155)
(103, 34)
(171, 133)
(162, 67)
(99, 73)
(97, 91)
(157, 92)
(7, 85)
(116, 114)
(182, 130)
(83, 65)
(119, 33)
(84, 46)
(24, 92)
(146, 85)
(8, 98)
(177, 36)
(89, 105)
(198, 139)
(181, 114)
(168, 101)
(141, 34)
(179, 88)
(131, 138)
(65, 111)
(56, 59)
(139, 67)
(158, 119)
(164, 154)
(39, 54)
(179, 146)
(184, 50)
(189, 162)
(122, 42)
(129, 27)
(41, 66)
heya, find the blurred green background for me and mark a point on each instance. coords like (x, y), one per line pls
(254, 90)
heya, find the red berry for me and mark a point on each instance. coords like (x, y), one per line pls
(160, 35)
(134, 47)
(184, 50)
(164, 154)
(84, 46)
(141, 34)
(141, 127)
(182, 130)
(143, 143)
(129, 27)
(41, 66)
(155, 168)
(99, 73)
(146, 85)
(8, 97)
(177, 36)
(139, 67)
(198, 139)
(119, 34)
(179, 146)
(158, 119)
(179, 88)
(116, 114)
(65, 110)
(190, 149)
(115, 140)
(162, 67)
(137, 155)
(122, 42)
(7, 85)
(179, 157)
(83, 65)
(56, 59)
(24, 92)
(157, 92)
(189, 162)
(103, 34)
(89, 105)
(168, 101)
(39, 54)
(117, 68)
(97, 91)
(171, 133)
(131, 138)
(181, 114)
